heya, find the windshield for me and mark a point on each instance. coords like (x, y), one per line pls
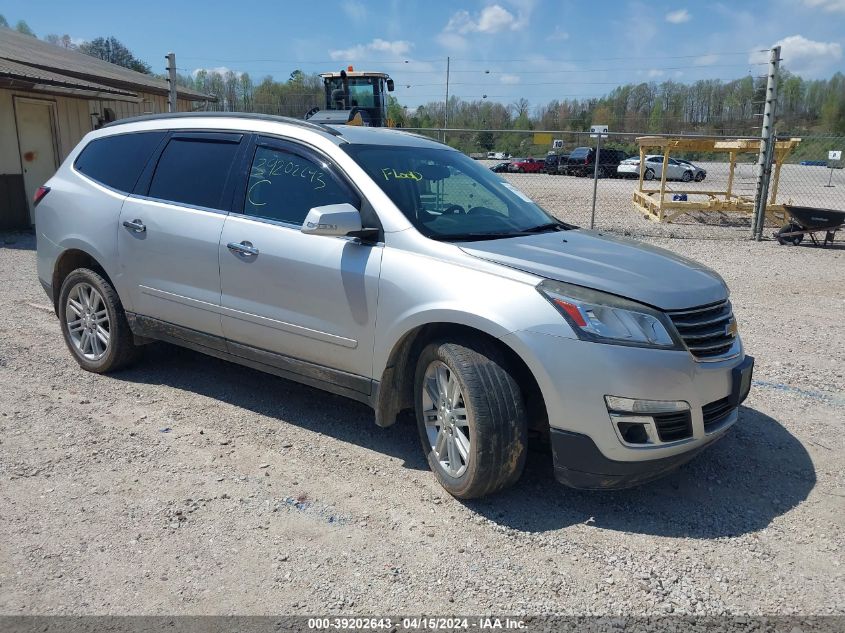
(361, 91)
(448, 196)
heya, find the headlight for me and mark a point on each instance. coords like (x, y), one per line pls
(606, 318)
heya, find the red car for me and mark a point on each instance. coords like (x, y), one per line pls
(526, 165)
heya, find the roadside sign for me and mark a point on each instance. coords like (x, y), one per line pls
(557, 143)
(834, 154)
(542, 138)
(595, 130)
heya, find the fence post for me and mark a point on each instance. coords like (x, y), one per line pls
(766, 132)
(595, 181)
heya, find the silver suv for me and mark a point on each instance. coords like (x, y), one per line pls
(393, 270)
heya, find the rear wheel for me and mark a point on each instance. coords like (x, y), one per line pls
(471, 418)
(649, 174)
(93, 322)
(791, 240)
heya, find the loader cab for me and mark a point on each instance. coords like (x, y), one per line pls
(363, 95)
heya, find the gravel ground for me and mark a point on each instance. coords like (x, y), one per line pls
(186, 485)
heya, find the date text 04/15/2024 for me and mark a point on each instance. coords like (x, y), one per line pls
(416, 623)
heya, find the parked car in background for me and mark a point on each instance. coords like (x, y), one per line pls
(676, 169)
(497, 155)
(500, 168)
(582, 161)
(526, 165)
(699, 173)
(552, 163)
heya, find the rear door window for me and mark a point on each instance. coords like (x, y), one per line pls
(285, 184)
(117, 161)
(193, 169)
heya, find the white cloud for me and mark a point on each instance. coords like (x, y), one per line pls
(378, 47)
(801, 55)
(492, 19)
(220, 70)
(831, 6)
(509, 79)
(706, 60)
(655, 72)
(452, 41)
(558, 35)
(679, 16)
(354, 10)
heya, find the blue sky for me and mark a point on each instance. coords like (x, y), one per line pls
(535, 49)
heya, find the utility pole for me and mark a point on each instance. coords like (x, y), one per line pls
(767, 137)
(171, 79)
(446, 105)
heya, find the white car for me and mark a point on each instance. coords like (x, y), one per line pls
(676, 170)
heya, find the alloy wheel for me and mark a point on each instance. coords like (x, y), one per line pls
(87, 321)
(447, 424)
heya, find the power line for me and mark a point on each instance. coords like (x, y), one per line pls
(458, 59)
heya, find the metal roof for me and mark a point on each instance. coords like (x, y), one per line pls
(62, 63)
(15, 70)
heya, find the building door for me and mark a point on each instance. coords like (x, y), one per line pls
(36, 139)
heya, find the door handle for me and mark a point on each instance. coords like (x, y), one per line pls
(135, 225)
(242, 248)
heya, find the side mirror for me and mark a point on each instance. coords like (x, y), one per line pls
(332, 220)
(390, 85)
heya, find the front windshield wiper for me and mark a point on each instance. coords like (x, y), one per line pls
(473, 237)
(549, 226)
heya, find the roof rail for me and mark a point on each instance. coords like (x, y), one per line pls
(317, 127)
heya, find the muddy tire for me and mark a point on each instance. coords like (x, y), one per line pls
(93, 323)
(471, 417)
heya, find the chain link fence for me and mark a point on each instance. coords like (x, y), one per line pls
(563, 181)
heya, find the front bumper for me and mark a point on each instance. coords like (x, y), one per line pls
(579, 463)
(574, 376)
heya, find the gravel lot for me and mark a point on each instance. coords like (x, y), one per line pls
(186, 485)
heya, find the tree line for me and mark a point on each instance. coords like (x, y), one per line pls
(707, 106)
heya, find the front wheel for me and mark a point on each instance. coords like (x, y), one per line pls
(791, 240)
(649, 174)
(686, 177)
(93, 322)
(471, 418)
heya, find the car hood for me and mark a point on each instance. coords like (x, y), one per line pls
(623, 267)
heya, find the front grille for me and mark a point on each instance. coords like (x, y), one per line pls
(715, 413)
(673, 426)
(708, 331)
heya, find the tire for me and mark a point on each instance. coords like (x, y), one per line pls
(686, 177)
(792, 240)
(493, 422)
(84, 295)
(649, 174)
(699, 177)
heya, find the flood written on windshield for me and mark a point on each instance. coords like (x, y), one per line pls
(448, 196)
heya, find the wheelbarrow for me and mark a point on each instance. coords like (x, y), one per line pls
(809, 221)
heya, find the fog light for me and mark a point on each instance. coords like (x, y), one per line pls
(630, 405)
(633, 432)
(635, 429)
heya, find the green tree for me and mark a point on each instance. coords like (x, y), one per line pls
(23, 27)
(110, 49)
(3, 21)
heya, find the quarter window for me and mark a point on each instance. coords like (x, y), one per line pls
(117, 161)
(193, 171)
(284, 186)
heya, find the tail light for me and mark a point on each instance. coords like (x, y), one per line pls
(39, 195)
